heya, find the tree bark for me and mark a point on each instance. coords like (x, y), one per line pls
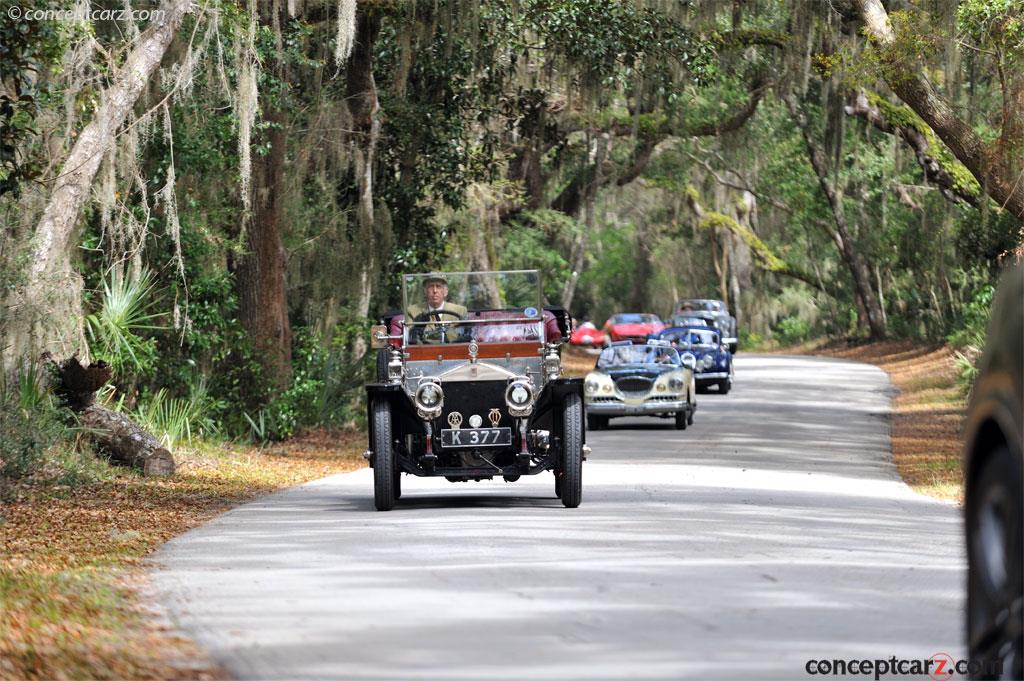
(126, 442)
(841, 235)
(911, 85)
(361, 95)
(260, 270)
(47, 313)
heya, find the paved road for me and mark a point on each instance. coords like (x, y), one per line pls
(771, 532)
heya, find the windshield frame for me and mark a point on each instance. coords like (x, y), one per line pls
(613, 352)
(516, 315)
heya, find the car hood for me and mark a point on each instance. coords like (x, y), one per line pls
(644, 371)
(634, 329)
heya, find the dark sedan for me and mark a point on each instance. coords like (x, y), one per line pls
(993, 500)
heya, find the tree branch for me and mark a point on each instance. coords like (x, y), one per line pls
(953, 188)
(911, 85)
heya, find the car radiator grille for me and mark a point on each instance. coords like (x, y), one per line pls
(634, 386)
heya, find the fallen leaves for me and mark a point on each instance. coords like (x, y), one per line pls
(70, 561)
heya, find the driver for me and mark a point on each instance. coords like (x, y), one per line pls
(435, 296)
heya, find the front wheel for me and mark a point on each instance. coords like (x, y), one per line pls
(725, 386)
(682, 419)
(595, 422)
(385, 475)
(995, 575)
(572, 452)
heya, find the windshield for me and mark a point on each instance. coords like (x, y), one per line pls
(459, 307)
(635, 318)
(689, 321)
(697, 305)
(691, 337)
(624, 355)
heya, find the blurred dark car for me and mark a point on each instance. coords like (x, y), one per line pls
(685, 320)
(632, 326)
(716, 313)
(993, 502)
(712, 359)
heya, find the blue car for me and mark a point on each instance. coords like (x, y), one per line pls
(713, 361)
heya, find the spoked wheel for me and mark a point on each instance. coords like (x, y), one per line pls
(994, 577)
(572, 452)
(385, 474)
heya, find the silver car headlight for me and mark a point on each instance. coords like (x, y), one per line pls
(429, 399)
(592, 387)
(519, 396)
(707, 362)
(676, 383)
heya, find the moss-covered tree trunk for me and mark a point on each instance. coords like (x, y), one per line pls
(46, 313)
(361, 95)
(260, 269)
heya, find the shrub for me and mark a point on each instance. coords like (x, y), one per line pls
(792, 330)
(36, 435)
(174, 419)
(968, 337)
(114, 330)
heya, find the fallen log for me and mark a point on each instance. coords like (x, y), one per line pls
(120, 437)
(126, 442)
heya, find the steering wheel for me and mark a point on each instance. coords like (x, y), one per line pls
(438, 335)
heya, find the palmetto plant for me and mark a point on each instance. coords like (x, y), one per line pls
(174, 419)
(115, 328)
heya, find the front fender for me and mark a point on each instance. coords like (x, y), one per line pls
(404, 420)
(547, 415)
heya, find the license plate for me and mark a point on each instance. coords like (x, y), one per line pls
(476, 437)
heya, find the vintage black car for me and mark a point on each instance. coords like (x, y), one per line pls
(993, 495)
(712, 359)
(641, 380)
(717, 315)
(470, 386)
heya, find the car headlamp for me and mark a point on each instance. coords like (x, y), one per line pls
(429, 399)
(707, 362)
(592, 386)
(675, 383)
(519, 397)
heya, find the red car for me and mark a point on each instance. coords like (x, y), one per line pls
(633, 326)
(587, 334)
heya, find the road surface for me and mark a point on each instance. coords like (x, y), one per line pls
(772, 532)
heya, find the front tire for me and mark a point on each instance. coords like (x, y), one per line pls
(725, 386)
(572, 452)
(682, 419)
(995, 577)
(595, 422)
(383, 357)
(385, 475)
